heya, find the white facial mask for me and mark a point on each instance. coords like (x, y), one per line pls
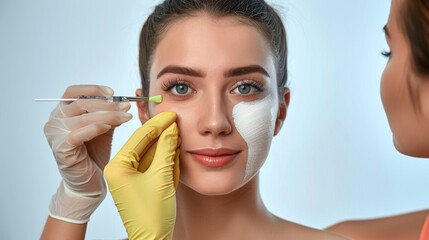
(255, 121)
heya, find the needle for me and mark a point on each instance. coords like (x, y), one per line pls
(155, 99)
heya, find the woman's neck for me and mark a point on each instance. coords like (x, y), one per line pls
(204, 217)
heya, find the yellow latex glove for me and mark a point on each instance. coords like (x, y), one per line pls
(143, 177)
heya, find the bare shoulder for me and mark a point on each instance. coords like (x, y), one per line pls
(296, 231)
(404, 226)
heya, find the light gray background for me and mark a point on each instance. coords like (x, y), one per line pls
(333, 160)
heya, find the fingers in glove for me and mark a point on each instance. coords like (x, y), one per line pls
(78, 107)
(68, 109)
(74, 108)
(166, 150)
(82, 106)
(143, 138)
(150, 155)
(146, 160)
(86, 133)
(161, 169)
(127, 160)
(101, 158)
(91, 90)
(107, 117)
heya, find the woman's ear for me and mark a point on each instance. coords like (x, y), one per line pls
(282, 112)
(142, 107)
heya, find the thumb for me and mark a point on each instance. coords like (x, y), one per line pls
(166, 150)
(142, 139)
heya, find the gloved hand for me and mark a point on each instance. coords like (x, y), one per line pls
(143, 177)
(80, 136)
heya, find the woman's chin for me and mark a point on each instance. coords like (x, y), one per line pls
(212, 187)
(413, 145)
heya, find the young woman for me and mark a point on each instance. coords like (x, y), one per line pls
(220, 67)
(405, 96)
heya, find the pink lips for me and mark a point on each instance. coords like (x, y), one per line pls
(214, 158)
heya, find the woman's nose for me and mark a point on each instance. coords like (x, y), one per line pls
(215, 117)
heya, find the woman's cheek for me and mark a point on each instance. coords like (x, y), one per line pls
(394, 92)
(255, 122)
(164, 106)
(384, 90)
(183, 114)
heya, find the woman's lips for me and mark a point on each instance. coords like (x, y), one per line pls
(214, 158)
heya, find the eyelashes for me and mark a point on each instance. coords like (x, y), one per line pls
(182, 87)
(256, 84)
(168, 85)
(178, 87)
(386, 54)
(247, 87)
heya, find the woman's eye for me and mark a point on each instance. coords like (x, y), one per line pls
(246, 89)
(177, 87)
(180, 89)
(387, 54)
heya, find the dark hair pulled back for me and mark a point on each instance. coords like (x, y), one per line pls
(415, 23)
(255, 12)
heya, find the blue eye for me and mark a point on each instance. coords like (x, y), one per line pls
(247, 88)
(244, 89)
(177, 87)
(180, 89)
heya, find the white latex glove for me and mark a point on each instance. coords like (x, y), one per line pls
(80, 136)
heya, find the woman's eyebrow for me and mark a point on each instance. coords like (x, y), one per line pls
(197, 73)
(180, 70)
(246, 70)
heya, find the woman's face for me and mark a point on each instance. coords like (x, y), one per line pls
(405, 95)
(218, 75)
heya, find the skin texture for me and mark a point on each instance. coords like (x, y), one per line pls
(405, 97)
(218, 203)
(401, 227)
(404, 93)
(57, 229)
(202, 109)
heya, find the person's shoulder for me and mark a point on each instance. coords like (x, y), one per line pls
(404, 226)
(291, 230)
(312, 233)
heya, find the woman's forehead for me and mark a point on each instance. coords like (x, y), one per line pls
(210, 40)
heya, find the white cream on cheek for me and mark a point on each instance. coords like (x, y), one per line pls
(255, 121)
